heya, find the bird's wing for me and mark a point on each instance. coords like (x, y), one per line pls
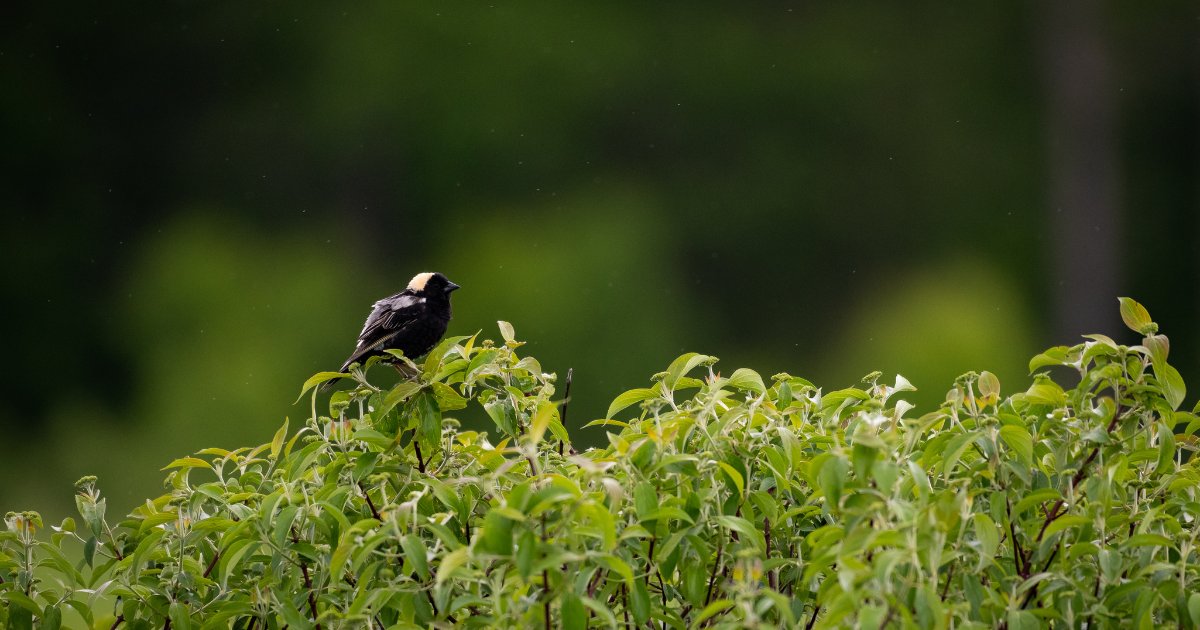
(388, 317)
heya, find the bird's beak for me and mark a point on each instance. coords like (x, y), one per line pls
(451, 287)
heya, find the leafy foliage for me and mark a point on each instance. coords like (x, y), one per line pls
(730, 501)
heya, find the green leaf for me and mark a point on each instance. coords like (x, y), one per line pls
(735, 477)
(745, 378)
(639, 602)
(1019, 440)
(497, 534)
(602, 611)
(430, 417)
(957, 446)
(1023, 620)
(606, 422)
(546, 412)
(1050, 358)
(645, 499)
(574, 616)
(1173, 387)
(188, 462)
(831, 476)
(989, 385)
(451, 562)
(1149, 540)
(1193, 605)
(51, 618)
(1065, 522)
(667, 513)
(277, 441)
(1159, 347)
(1136, 317)
(283, 524)
(616, 565)
(506, 331)
(628, 398)
(398, 394)
(1046, 392)
(737, 524)
(987, 533)
(21, 599)
(434, 359)
(415, 552)
(527, 548)
(715, 608)
(863, 456)
(447, 398)
(180, 617)
(682, 365)
(317, 379)
(20, 618)
(1166, 449)
(233, 555)
(1037, 497)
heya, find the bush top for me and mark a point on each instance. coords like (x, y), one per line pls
(729, 501)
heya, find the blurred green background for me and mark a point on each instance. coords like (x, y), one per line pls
(202, 200)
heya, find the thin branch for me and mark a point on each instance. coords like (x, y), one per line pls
(1018, 554)
(1079, 475)
(712, 577)
(594, 583)
(562, 411)
(625, 604)
(370, 504)
(213, 563)
(1031, 594)
(1058, 509)
(813, 620)
(417, 449)
(432, 603)
(533, 467)
(946, 586)
(312, 598)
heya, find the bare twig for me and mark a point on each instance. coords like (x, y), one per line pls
(312, 597)
(816, 611)
(562, 411)
(370, 504)
(213, 563)
(712, 577)
(417, 450)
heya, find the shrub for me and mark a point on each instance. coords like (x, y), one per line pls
(727, 501)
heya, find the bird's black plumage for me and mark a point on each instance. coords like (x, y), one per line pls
(412, 320)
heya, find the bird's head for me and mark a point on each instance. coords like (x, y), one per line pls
(431, 285)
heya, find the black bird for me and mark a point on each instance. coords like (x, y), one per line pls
(412, 320)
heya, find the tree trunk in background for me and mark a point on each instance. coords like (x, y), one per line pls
(1084, 186)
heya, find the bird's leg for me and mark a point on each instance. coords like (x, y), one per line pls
(405, 371)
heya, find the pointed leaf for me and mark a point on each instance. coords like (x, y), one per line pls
(1136, 317)
(317, 379)
(629, 398)
(1019, 440)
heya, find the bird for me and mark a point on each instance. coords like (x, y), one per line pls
(412, 320)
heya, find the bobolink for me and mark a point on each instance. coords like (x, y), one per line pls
(412, 320)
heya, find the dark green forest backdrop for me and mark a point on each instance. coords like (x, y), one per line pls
(202, 199)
